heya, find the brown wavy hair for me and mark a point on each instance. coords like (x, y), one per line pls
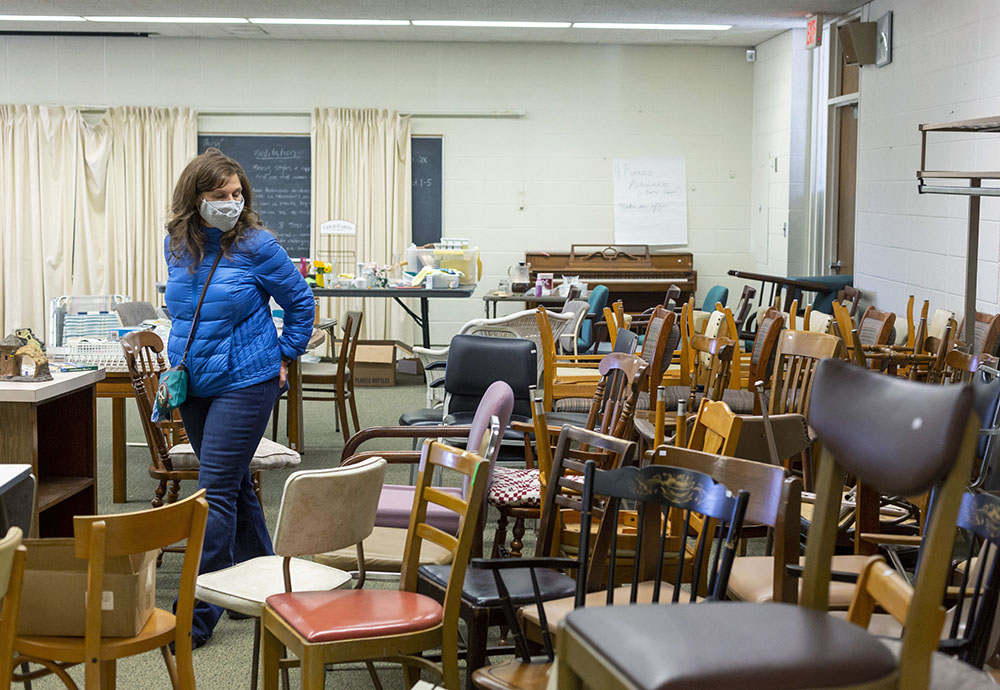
(204, 173)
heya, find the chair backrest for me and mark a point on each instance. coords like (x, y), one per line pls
(764, 348)
(328, 509)
(844, 321)
(849, 297)
(596, 302)
(575, 447)
(98, 537)
(960, 367)
(475, 362)
(971, 634)
(438, 457)
(986, 402)
(613, 326)
(671, 298)
(900, 438)
(145, 362)
(775, 501)
(939, 321)
(716, 293)
(349, 345)
(12, 557)
(818, 322)
(743, 308)
(612, 408)
(654, 346)
(875, 327)
(571, 335)
(716, 428)
(712, 361)
(798, 354)
(626, 341)
(659, 493)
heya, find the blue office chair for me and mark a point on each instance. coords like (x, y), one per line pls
(596, 302)
(717, 293)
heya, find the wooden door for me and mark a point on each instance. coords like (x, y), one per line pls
(847, 180)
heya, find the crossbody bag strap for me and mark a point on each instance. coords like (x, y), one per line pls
(197, 310)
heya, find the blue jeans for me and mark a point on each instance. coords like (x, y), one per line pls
(225, 430)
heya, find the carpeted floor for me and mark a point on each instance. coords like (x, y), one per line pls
(224, 663)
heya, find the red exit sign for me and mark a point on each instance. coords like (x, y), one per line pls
(814, 31)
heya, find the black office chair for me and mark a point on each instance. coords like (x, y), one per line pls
(474, 362)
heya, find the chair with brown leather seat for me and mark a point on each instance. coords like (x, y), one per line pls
(321, 628)
(903, 437)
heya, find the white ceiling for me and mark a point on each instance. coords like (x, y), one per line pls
(753, 21)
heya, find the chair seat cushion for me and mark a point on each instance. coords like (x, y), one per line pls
(563, 418)
(245, 586)
(395, 504)
(322, 369)
(557, 609)
(752, 579)
(465, 419)
(427, 416)
(268, 456)
(355, 613)
(480, 588)
(383, 550)
(512, 486)
(576, 405)
(739, 401)
(948, 673)
(731, 645)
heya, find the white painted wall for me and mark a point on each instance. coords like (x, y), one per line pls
(945, 67)
(585, 105)
(778, 227)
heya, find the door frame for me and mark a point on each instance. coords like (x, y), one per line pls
(824, 175)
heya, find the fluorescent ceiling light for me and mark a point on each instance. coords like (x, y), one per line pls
(491, 24)
(169, 20)
(39, 18)
(653, 27)
(332, 22)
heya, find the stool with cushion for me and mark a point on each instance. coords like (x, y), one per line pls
(363, 625)
(901, 437)
(321, 510)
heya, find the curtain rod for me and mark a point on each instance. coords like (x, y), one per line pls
(440, 114)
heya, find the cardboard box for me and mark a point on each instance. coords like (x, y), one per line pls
(411, 366)
(375, 365)
(53, 601)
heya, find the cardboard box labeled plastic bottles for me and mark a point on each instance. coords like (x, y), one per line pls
(53, 601)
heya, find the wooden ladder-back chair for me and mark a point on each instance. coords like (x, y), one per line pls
(98, 538)
(340, 626)
(872, 426)
(759, 364)
(318, 378)
(567, 375)
(173, 458)
(987, 334)
(849, 297)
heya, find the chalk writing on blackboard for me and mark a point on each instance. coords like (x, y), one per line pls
(279, 168)
(426, 188)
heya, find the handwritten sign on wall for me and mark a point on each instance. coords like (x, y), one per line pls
(279, 168)
(650, 200)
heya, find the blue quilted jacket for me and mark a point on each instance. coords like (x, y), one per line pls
(236, 344)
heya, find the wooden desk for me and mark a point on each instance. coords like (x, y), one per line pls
(52, 427)
(117, 385)
(530, 301)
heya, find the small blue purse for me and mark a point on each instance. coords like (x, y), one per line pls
(171, 392)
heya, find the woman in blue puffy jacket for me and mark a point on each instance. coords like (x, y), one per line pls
(237, 364)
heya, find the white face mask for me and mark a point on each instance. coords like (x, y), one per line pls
(221, 214)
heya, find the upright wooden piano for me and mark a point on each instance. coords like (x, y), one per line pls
(631, 272)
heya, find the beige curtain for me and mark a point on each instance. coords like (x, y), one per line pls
(129, 162)
(38, 146)
(82, 207)
(361, 173)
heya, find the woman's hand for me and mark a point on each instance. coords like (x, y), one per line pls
(283, 374)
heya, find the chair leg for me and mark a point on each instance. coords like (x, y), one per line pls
(274, 419)
(271, 659)
(500, 536)
(160, 492)
(449, 659)
(374, 675)
(258, 490)
(168, 660)
(411, 675)
(255, 669)
(342, 412)
(175, 491)
(354, 409)
(313, 670)
(286, 684)
(475, 648)
(517, 540)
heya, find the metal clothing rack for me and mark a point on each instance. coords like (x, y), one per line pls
(974, 190)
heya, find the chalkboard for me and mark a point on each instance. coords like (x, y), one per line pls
(426, 180)
(280, 171)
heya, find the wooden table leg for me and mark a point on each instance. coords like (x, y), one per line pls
(118, 451)
(294, 418)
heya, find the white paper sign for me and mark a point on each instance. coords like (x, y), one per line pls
(650, 200)
(337, 227)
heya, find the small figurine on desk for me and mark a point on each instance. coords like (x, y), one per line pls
(23, 344)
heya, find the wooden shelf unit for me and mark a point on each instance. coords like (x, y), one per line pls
(974, 190)
(52, 427)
